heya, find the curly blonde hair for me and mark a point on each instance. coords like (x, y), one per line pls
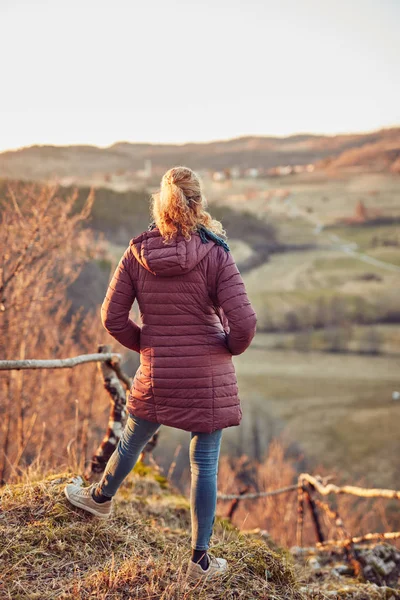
(179, 206)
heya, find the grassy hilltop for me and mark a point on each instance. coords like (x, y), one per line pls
(52, 550)
(56, 551)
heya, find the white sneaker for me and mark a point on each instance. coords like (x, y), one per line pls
(217, 566)
(82, 498)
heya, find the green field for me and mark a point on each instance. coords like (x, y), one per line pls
(325, 361)
(338, 408)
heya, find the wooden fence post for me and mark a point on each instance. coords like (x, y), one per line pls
(235, 503)
(300, 514)
(117, 418)
(309, 489)
(117, 383)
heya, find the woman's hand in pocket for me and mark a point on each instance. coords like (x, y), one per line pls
(226, 341)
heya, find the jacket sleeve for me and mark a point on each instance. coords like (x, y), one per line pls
(232, 297)
(117, 304)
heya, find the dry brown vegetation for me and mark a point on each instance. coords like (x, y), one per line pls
(53, 550)
(56, 551)
(43, 247)
(277, 515)
(383, 155)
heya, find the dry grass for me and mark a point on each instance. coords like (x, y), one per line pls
(52, 550)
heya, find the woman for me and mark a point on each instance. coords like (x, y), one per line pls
(195, 315)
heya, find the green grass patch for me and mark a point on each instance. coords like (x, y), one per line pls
(366, 236)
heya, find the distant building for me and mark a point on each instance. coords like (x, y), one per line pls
(252, 172)
(290, 169)
(219, 176)
(287, 170)
(235, 172)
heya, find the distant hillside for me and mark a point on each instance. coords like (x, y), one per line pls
(382, 155)
(44, 162)
(123, 215)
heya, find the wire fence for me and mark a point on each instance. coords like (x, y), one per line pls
(255, 495)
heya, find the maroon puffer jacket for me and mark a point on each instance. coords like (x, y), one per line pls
(195, 315)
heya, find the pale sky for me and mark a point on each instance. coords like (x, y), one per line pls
(97, 71)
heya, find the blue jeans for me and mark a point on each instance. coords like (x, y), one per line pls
(204, 454)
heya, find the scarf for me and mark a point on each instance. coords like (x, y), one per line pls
(205, 235)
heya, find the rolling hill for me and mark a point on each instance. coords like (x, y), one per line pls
(83, 162)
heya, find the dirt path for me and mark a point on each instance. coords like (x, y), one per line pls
(349, 248)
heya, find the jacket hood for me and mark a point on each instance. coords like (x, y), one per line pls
(166, 260)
